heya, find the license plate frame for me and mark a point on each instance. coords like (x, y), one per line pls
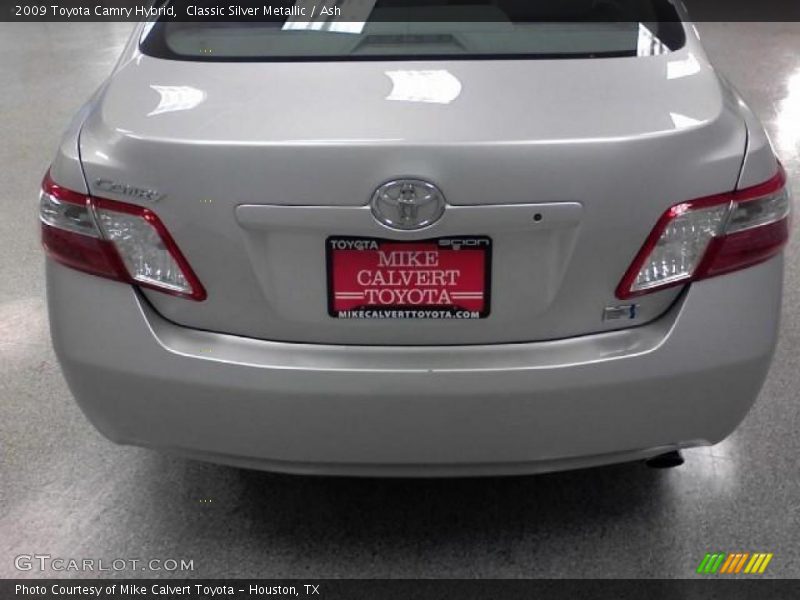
(469, 251)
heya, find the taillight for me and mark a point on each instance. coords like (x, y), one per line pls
(113, 239)
(711, 236)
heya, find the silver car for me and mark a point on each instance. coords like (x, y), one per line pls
(423, 247)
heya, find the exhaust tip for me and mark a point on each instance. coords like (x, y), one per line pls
(669, 460)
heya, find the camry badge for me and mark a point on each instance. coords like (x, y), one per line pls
(408, 204)
(122, 189)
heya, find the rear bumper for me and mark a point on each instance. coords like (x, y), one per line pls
(686, 379)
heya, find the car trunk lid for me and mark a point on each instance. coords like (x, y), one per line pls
(260, 163)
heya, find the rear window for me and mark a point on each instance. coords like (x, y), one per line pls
(424, 30)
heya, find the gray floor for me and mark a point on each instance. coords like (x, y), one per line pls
(67, 492)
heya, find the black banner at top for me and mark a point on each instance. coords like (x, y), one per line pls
(400, 10)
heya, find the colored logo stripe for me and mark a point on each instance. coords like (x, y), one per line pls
(728, 562)
(710, 563)
(734, 563)
(758, 563)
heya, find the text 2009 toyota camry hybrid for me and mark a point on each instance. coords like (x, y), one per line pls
(416, 247)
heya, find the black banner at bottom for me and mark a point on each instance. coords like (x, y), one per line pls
(397, 589)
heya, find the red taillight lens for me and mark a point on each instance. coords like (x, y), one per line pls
(83, 252)
(711, 236)
(113, 239)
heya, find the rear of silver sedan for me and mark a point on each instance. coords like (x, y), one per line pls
(361, 261)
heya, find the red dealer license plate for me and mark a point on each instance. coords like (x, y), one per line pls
(445, 278)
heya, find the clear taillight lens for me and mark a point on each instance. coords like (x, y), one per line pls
(66, 210)
(680, 247)
(114, 239)
(759, 212)
(711, 236)
(142, 248)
